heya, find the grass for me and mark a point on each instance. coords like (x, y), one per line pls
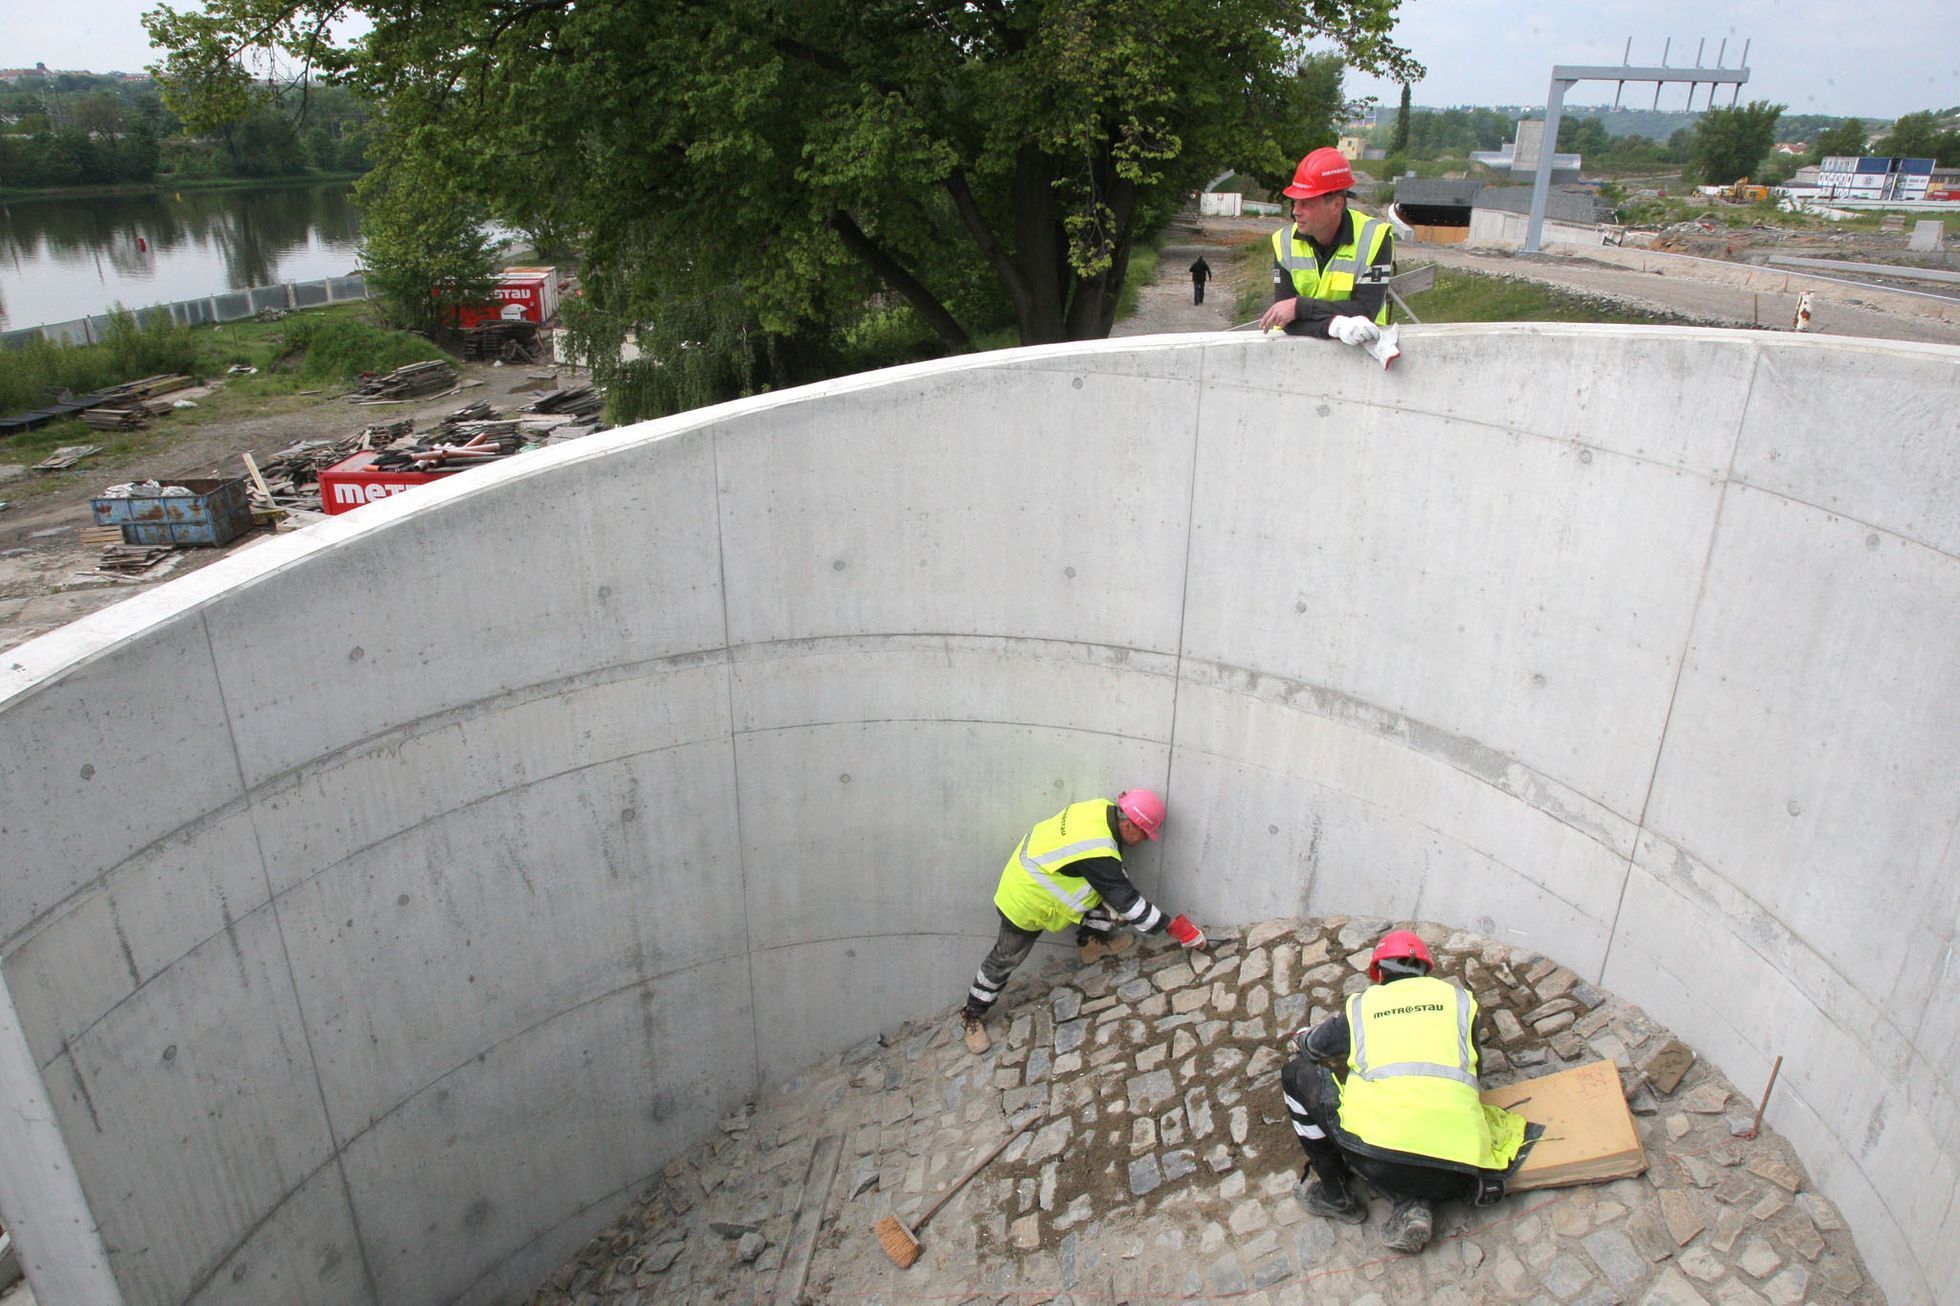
(297, 357)
(1476, 297)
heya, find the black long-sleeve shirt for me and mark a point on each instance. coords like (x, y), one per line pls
(1107, 877)
(1313, 315)
(1328, 1041)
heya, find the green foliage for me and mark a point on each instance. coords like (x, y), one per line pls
(1583, 136)
(1845, 139)
(30, 376)
(319, 348)
(1731, 143)
(1919, 136)
(750, 177)
(1448, 132)
(425, 250)
(1399, 142)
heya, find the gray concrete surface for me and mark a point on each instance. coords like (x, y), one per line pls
(388, 903)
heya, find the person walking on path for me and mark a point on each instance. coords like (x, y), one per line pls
(1068, 870)
(1332, 264)
(1407, 1118)
(1200, 273)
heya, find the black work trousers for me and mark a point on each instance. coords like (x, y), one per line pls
(1012, 946)
(1313, 1100)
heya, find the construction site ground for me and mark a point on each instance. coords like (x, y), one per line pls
(1162, 1164)
(47, 574)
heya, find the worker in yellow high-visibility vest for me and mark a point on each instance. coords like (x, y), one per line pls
(1068, 870)
(1407, 1118)
(1332, 263)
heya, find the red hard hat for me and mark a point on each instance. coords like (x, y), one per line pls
(1398, 945)
(1144, 809)
(1320, 173)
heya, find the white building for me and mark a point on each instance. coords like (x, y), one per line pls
(1869, 177)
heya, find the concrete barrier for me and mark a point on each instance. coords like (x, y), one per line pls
(381, 911)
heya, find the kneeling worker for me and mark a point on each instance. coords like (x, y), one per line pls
(1407, 1118)
(1069, 871)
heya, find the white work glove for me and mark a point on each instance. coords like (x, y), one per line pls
(1383, 348)
(1353, 330)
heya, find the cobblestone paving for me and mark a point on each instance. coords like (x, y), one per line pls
(1163, 1166)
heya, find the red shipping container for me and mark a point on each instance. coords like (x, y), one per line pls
(353, 481)
(527, 294)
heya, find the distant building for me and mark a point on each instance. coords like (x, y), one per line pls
(1871, 177)
(1797, 148)
(1351, 147)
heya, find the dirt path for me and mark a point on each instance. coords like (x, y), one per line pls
(1165, 305)
(1836, 309)
(47, 574)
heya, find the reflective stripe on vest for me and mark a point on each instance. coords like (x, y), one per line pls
(1036, 890)
(1461, 1072)
(1038, 868)
(1344, 269)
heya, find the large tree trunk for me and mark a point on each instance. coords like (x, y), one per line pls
(1040, 249)
(895, 275)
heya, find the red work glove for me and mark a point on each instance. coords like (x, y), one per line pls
(1186, 933)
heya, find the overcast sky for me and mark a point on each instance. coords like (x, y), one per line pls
(1813, 56)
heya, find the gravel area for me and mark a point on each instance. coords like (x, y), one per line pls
(1163, 1165)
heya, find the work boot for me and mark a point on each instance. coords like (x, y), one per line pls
(1097, 946)
(975, 1027)
(1408, 1225)
(1336, 1201)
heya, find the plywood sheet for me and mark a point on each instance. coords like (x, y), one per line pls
(1589, 1135)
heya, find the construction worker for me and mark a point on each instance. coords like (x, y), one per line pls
(1331, 265)
(1407, 1116)
(1069, 871)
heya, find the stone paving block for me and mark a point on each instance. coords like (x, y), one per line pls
(1050, 1139)
(1768, 1167)
(1153, 1056)
(1706, 1099)
(1702, 1264)
(1151, 1091)
(1841, 1274)
(1252, 1031)
(1736, 1189)
(1258, 1000)
(1178, 1163)
(1734, 1292)
(1271, 1270)
(1065, 1002)
(1069, 1036)
(1227, 1276)
(1145, 1175)
(1671, 1288)
(1667, 1064)
(1728, 1227)
(1650, 1236)
(1312, 1242)
(1616, 1256)
(1248, 1217)
(1264, 1061)
(1567, 1277)
(1769, 1207)
(1677, 1127)
(1174, 977)
(1573, 1216)
(1789, 1287)
(1758, 1258)
(1681, 1215)
(1254, 966)
(1797, 1233)
(1189, 1001)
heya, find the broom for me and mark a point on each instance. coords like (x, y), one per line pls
(902, 1244)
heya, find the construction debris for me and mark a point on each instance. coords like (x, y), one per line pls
(127, 559)
(508, 342)
(116, 419)
(408, 382)
(66, 456)
(577, 400)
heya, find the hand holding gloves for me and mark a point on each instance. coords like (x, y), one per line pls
(1187, 934)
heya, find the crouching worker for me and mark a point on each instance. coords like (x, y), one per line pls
(1069, 871)
(1407, 1117)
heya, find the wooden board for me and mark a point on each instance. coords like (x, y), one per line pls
(1589, 1135)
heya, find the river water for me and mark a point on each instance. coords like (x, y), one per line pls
(62, 259)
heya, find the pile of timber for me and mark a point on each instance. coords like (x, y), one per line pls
(147, 388)
(128, 559)
(66, 456)
(577, 400)
(509, 342)
(116, 419)
(409, 382)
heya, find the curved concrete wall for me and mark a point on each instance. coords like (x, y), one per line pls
(386, 903)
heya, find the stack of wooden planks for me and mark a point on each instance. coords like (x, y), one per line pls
(408, 382)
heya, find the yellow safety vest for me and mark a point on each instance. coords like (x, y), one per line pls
(1036, 892)
(1412, 1077)
(1364, 240)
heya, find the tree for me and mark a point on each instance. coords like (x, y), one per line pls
(981, 160)
(1400, 142)
(1845, 139)
(1918, 136)
(424, 249)
(1583, 136)
(1730, 143)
